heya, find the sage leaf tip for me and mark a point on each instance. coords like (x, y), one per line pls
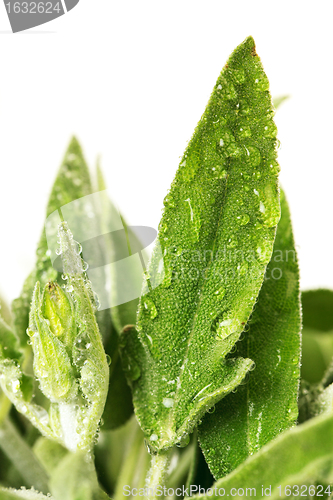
(196, 302)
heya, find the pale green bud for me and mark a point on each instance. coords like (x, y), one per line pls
(58, 310)
(52, 364)
(69, 359)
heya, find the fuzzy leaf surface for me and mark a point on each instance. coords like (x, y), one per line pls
(215, 240)
(267, 404)
(301, 455)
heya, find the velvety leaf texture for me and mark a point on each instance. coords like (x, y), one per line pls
(266, 404)
(215, 240)
(300, 456)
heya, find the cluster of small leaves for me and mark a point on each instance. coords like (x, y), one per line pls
(212, 346)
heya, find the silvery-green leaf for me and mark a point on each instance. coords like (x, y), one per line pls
(22, 457)
(215, 240)
(49, 453)
(300, 456)
(75, 478)
(324, 402)
(266, 404)
(72, 182)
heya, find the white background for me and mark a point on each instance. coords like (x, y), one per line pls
(131, 79)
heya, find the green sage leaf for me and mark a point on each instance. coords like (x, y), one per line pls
(300, 456)
(22, 457)
(9, 345)
(49, 453)
(267, 404)
(72, 182)
(324, 402)
(75, 478)
(215, 240)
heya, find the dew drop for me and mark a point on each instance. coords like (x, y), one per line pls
(96, 301)
(219, 172)
(274, 167)
(243, 268)
(270, 130)
(169, 201)
(263, 252)
(262, 83)
(108, 359)
(244, 132)
(270, 206)
(254, 156)
(238, 75)
(226, 327)
(243, 219)
(150, 307)
(220, 292)
(168, 402)
(232, 242)
(244, 109)
(77, 247)
(230, 147)
(184, 441)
